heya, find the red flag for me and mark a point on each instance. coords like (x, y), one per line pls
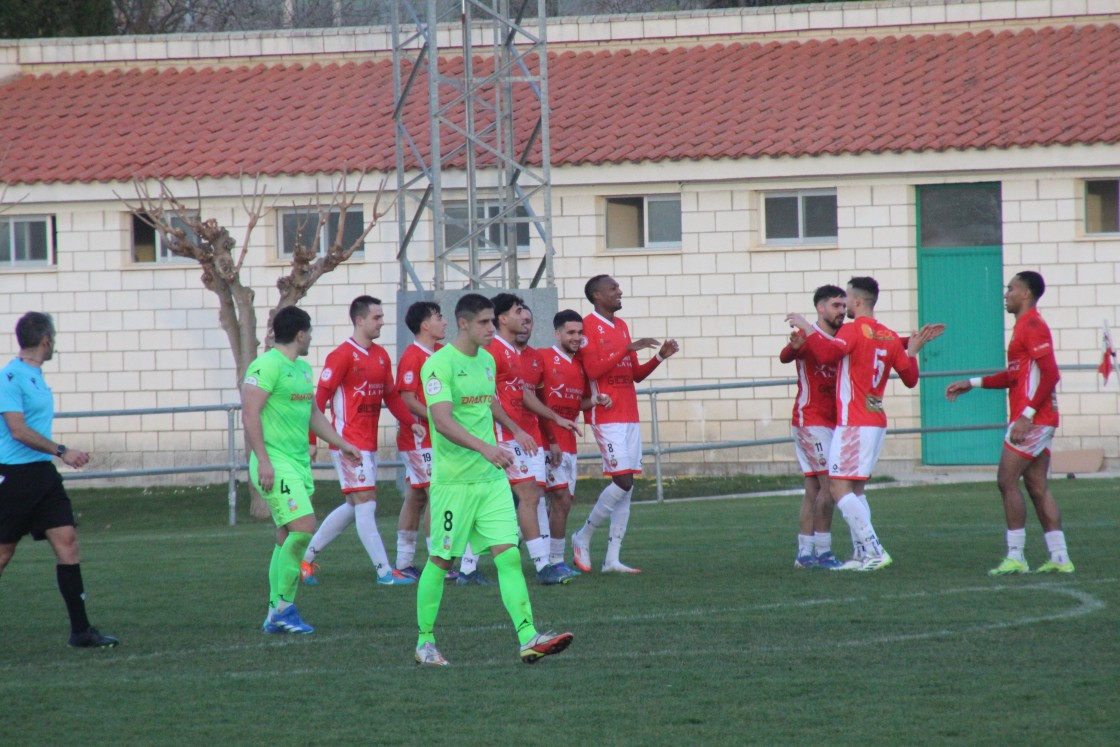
(1106, 366)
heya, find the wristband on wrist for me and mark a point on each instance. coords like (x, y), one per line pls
(657, 355)
(976, 381)
(1028, 413)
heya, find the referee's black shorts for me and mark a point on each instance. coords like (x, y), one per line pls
(32, 500)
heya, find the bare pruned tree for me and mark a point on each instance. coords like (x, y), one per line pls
(186, 233)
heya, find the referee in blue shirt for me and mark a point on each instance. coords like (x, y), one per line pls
(32, 499)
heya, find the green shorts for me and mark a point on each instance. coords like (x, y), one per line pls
(290, 497)
(480, 513)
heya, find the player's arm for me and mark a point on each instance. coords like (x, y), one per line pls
(668, 348)
(907, 368)
(595, 364)
(519, 435)
(538, 408)
(412, 402)
(792, 350)
(440, 414)
(322, 428)
(401, 411)
(253, 400)
(827, 349)
(1001, 380)
(334, 372)
(32, 439)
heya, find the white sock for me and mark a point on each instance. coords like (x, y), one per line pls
(428, 544)
(542, 517)
(332, 526)
(822, 542)
(620, 518)
(556, 548)
(1056, 544)
(804, 545)
(1016, 542)
(406, 547)
(601, 512)
(538, 552)
(858, 516)
(366, 516)
(468, 564)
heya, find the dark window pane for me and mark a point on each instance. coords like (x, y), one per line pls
(355, 224)
(301, 225)
(5, 241)
(143, 241)
(455, 224)
(960, 215)
(1102, 207)
(781, 217)
(625, 222)
(664, 221)
(38, 248)
(820, 216)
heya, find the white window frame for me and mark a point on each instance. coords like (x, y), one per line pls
(1085, 223)
(800, 239)
(163, 256)
(646, 243)
(354, 212)
(489, 206)
(8, 224)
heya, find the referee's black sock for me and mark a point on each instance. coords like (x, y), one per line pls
(70, 585)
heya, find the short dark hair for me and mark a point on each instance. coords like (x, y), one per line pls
(359, 307)
(470, 305)
(503, 302)
(289, 322)
(592, 286)
(1034, 282)
(827, 293)
(418, 313)
(565, 316)
(32, 327)
(868, 286)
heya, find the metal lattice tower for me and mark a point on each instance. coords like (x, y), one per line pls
(485, 119)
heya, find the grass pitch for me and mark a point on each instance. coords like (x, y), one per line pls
(719, 641)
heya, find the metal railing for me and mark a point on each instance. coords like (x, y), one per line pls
(233, 466)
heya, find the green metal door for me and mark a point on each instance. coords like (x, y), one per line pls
(960, 282)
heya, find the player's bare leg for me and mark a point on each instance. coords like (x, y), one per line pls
(822, 526)
(1049, 515)
(804, 557)
(559, 507)
(528, 497)
(408, 528)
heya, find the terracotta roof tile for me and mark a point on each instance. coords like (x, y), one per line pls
(895, 94)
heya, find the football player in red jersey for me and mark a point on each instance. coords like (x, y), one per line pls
(518, 445)
(865, 351)
(425, 321)
(1031, 379)
(356, 379)
(814, 418)
(564, 390)
(610, 359)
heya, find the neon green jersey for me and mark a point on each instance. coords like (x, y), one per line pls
(468, 384)
(286, 416)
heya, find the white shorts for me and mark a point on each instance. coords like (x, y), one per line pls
(1037, 440)
(854, 452)
(522, 469)
(621, 447)
(355, 477)
(562, 476)
(417, 467)
(811, 444)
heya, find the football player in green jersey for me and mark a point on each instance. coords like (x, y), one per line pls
(278, 407)
(469, 493)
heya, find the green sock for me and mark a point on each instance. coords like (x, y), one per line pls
(273, 566)
(429, 593)
(515, 594)
(287, 565)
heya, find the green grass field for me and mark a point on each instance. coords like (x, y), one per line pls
(718, 642)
